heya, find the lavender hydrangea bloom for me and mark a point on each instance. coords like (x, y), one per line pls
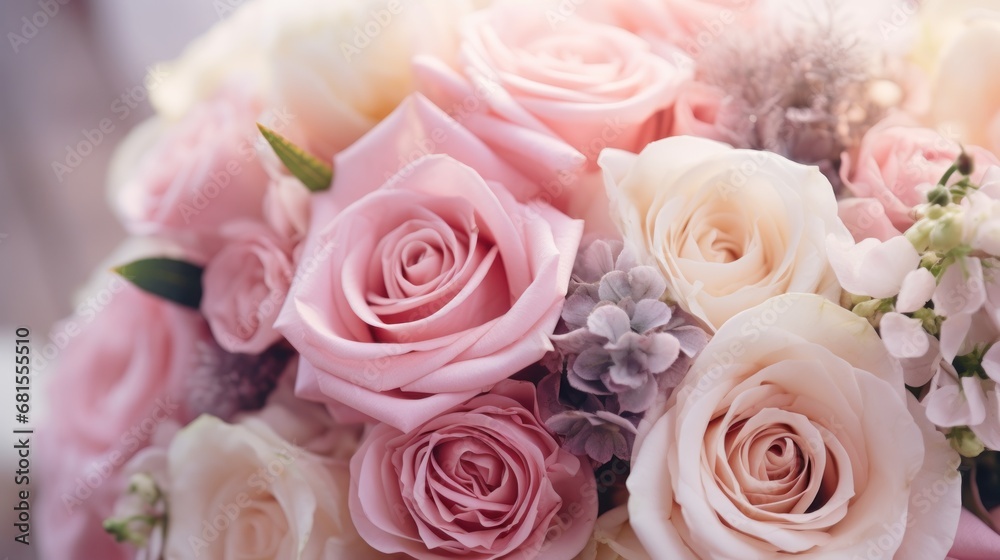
(620, 338)
(584, 424)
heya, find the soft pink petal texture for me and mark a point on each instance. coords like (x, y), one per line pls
(795, 365)
(865, 217)
(68, 509)
(415, 129)
(964, 99)
(404, 360)
(962, 290)
(726, 239)
(105, 385)
(202, 173)
(917, 289)
(872, 268)
(954, 402)
(696, 111)
(897, 163)
(244, 285)
(975, 540)
(481, 480)
(904, 337)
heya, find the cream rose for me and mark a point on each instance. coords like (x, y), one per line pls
(961, 40)
(266, 487)
(728, 228)
(793, 436)
(338, 68)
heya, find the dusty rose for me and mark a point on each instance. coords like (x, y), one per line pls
(245, 285)
(425, 292)
(126, 370)
(793, 435)
(482, 480)
(201, 172)
(896, 165)
(728, 228)
(521, 81)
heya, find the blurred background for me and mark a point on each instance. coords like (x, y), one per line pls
(66, 66)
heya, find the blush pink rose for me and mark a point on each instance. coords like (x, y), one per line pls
(896, 165)
(696, 111)
(76, 492)
(425, 292)
(483, 480)
(201, 173)
(126, 371)
(793, 435)
(245, 285)
(522, 81)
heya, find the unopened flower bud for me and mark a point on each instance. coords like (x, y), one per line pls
(965, 442)
(964, 164)
(939, 196)
(919, 235)
(947, 233)
(144, 487)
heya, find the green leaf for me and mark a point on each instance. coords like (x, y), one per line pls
(313, 173)
(170, 279)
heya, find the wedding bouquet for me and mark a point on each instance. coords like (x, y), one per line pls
(596, 279)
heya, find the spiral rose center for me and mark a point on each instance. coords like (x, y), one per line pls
(778, 467)
(422, 263)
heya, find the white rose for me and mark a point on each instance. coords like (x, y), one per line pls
(728, 228)
(334, 68)
(793, 436)
(965, 93)
(244, 491)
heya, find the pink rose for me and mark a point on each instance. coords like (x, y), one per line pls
(201, 173)
(522, 82)
(245, 285)
(286, 207)
(696, 112)
(793, 434)
(895, 167)
(695, 25)
(126, 371)
(483, 480)
(76, 493)
(427, 291)
(976, 540)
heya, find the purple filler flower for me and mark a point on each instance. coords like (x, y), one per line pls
(620, 338)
